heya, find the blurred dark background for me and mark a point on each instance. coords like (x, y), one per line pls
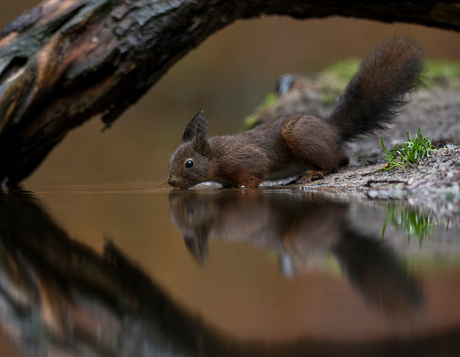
(228, 75)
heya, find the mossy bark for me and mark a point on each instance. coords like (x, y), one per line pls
(66, 61)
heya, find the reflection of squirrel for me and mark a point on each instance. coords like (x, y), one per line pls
(288, 146)
(303, 229)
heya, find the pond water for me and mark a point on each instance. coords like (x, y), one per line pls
(132, 270)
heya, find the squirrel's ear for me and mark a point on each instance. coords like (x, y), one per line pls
(201, 144)
(193, 127)
(202, 124)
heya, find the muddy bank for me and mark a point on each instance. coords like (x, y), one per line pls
(432, 185)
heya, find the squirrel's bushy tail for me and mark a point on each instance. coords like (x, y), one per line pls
(375, 93)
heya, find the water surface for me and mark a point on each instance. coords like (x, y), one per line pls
(129, 270)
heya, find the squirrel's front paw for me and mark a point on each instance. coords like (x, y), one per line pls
(317, 175)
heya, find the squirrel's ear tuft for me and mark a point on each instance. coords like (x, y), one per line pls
(195, 126)
(202, 124)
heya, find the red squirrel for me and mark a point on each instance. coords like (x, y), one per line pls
(289, 146)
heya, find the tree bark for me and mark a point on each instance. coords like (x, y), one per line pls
(68, 60)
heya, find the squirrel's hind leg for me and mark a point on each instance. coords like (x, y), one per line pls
(315, 143)
(318, 175)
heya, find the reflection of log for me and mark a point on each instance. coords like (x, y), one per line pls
(65, 61)
(64, 297)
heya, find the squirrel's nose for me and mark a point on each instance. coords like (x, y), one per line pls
(171, 181)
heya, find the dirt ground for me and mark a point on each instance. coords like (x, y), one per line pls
(432, 186)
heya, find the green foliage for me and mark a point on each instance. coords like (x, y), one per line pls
(335, 78)
(436, 71)
(410, 153)
(339, 74)
(251, 121)
(269, 99)
(328, 99)
(413, 222)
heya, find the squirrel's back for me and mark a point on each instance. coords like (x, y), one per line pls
(375, 93)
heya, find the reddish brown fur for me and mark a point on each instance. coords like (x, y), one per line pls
(300, 135)
(288, 146)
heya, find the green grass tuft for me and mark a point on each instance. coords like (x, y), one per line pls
(410, 153)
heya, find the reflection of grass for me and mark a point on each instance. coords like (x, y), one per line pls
(410, 153)
(413, 222)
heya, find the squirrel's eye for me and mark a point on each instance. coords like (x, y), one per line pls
(189, 164)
